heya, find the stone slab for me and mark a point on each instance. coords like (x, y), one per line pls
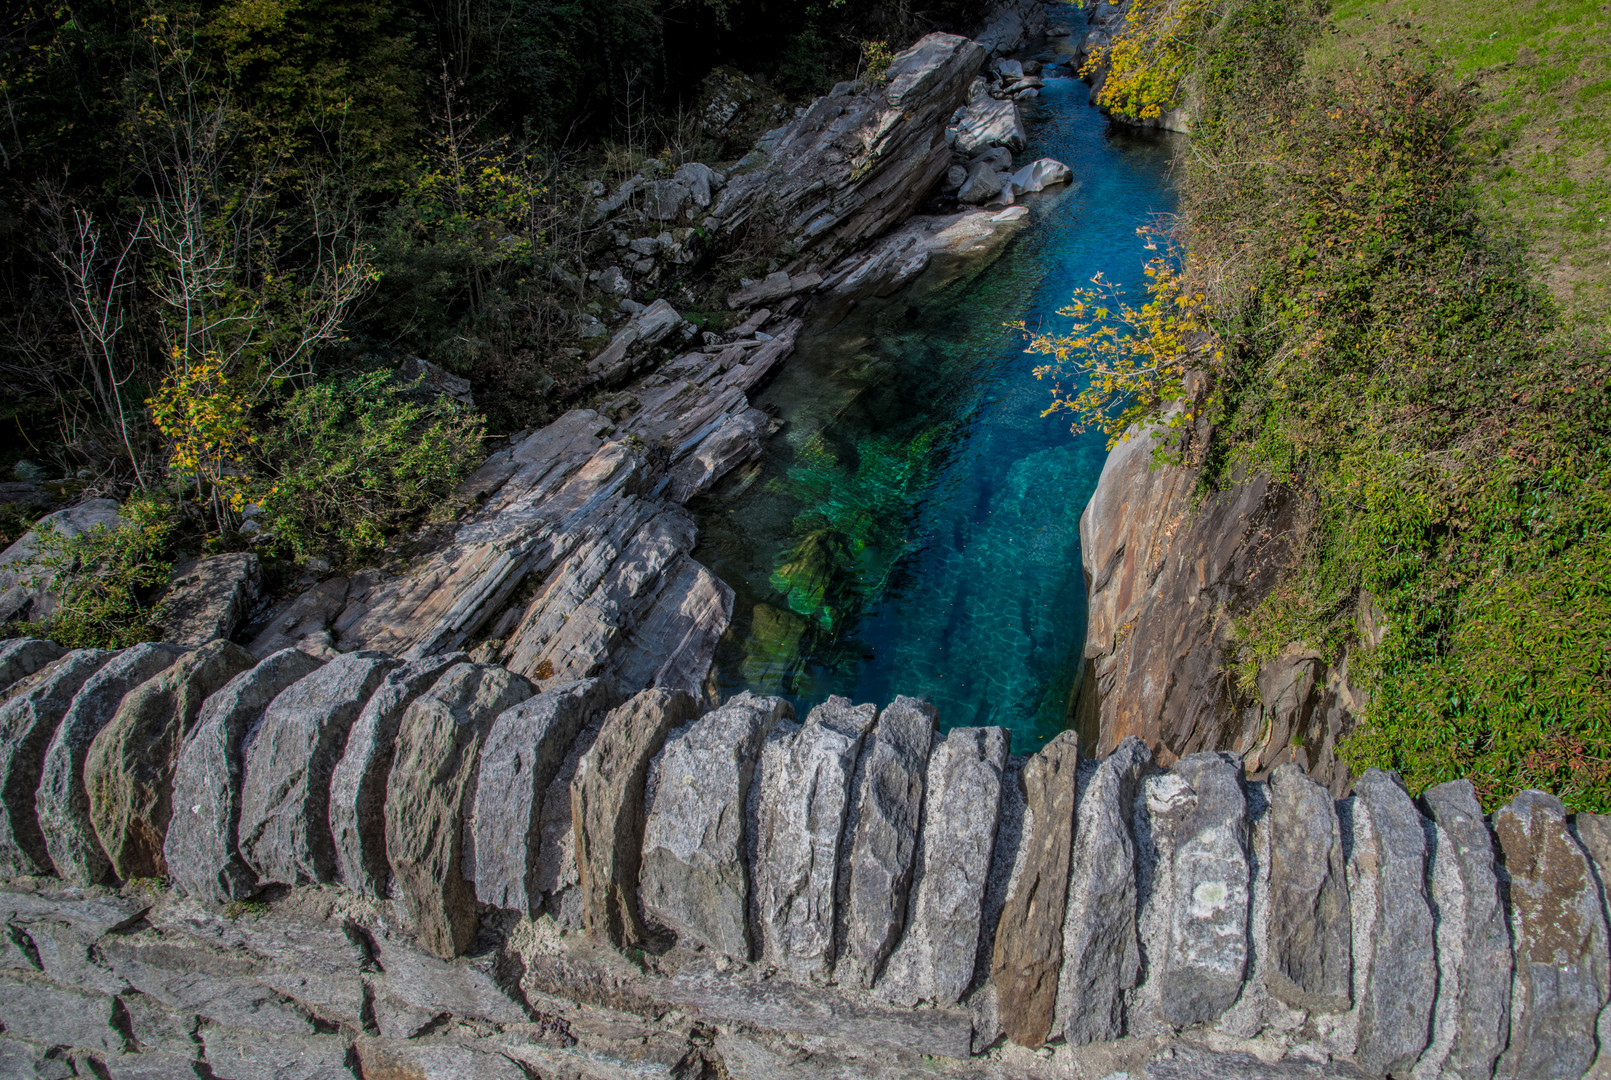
(201, 847)
(1311, 931)
(358, 782)
(428, 798)
(288, 761)
(885, 809)
(28, 722)
(524, 750)
(938, 953)
(61, 801)
(128, 772)
(607, 811)
(1029, 938)
(695, 877)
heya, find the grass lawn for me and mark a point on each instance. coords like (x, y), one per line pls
(1544, 67)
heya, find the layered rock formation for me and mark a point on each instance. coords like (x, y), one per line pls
(744, 883)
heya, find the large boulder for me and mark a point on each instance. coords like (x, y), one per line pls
(201, 848)
(27, 591)
(523, 752)
(207, 598)
(607, 810)
(24, 656)
(428, 798)
(804, 792)
(695, 876)
(128, 773)
(62, 802)
(855, 163)
(1040, 175)
(1029, 936)
(28, 722)
(358, 782)
(285, 789)
(987, 122)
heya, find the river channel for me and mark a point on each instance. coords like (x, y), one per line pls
(913, 526)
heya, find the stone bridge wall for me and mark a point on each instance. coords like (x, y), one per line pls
(298, 868)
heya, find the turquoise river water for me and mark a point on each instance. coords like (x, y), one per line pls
(913, 528)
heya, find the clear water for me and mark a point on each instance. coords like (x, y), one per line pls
(913, 528)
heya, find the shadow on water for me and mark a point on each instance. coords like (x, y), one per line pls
(913, 528)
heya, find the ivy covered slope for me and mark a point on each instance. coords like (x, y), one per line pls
(1397, 231)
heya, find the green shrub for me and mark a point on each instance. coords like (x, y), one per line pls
(355, 460)
(105, 578)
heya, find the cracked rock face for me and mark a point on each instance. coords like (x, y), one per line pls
(201, 848)
(1311, 934)
(806, 775)
(128, 773)
(290, 756)
(524, 751)
(695, 877)
(428, 798)
(62, 802)
(1560, 940)
(607, 810)
(1029, 939)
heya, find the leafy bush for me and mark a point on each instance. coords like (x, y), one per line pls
(354, 460)
(104, 578)
(1147, 64)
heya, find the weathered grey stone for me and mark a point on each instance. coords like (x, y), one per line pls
(434, 1061)
(1471, 1019)
(1029, 939)
(155, 1065)
(961, 804)
(201, 846)
(25, 1061)
(57, 1016)
(1395, 970)
(805, 782)
(1559, 932)
(207, 598)
(607, 810)
(210, 983)
(28, 722)
(358, 782)
(463, 987)
(989, 122)
(1593, 831)
(20, 657)
(881, 830)
(61, 801)
(523, 751)
(60, 949)
(1101, 953)
(153, 1026)
(1311, 933)
(695, 875)
(252, 1055)
(25, 589)
(1194, 1063)
(1207, 953)
(982, 184)
(1040, 175)
(288, 759)
(557, 876)
(428, 799)
(128, 772)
